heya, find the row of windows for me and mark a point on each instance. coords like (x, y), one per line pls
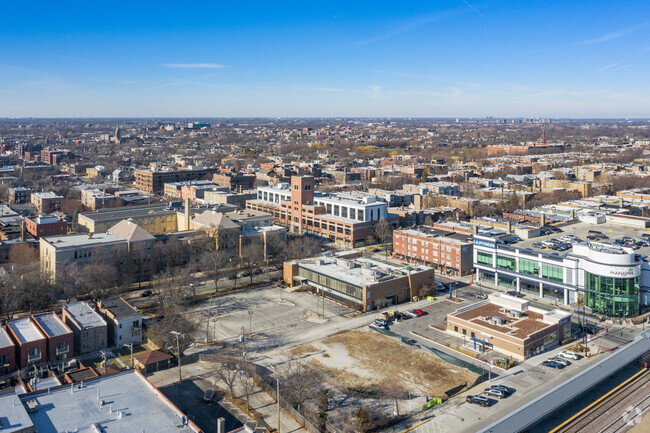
(550, 272)
(332, 283)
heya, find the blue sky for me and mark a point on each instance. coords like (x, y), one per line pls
(436, 58)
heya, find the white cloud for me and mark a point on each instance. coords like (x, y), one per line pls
(193, 65)
(614, 35)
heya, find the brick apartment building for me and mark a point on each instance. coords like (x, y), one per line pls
(46, 202)
(31, 343)
(345, 218)
(46, 225)
(7, 353)
(235, 181)
(89, 328)
(18, 195)
(448, 252)
(153, 182)
(59, 337)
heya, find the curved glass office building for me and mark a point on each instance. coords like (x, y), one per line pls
(606, 278)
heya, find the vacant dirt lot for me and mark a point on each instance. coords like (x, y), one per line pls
(368, 362)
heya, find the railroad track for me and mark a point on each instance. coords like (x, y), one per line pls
(597, 417)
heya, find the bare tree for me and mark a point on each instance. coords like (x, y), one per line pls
(23, 254)
(251, 257)
(300, 383)
(384, 232)
(248, 386)
(227, 369)
(301, 247)
(161, 332)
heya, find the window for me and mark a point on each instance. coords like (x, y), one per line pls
(307, 187)
(136, 324)
(551, 272)
(484, 258)
(360, 215)
(464, 331)
(84, 334)
(336, 210)
(506, 263)
(529, 268)
(455, 328)
(33, 351)
(473, 335)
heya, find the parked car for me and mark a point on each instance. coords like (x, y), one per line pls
(562, 361)
(481, 295)
(440, 285)
(146, 294)
(378, 326)
(553, 364)
(411, 313)
(567, 354)
(231, 277)
(243, 274)
(478, 399)
(381, 322)
(418, 312)
(507, 389)
(209, 395)
(515, 294)
(538, 245)
(493, 392)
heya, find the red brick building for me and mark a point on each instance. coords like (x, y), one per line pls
(448, 252)
(31, 343)
(345, 218)
(7, 353)
(60, 339)
(46, 225)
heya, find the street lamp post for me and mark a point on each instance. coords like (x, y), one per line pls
(250, 322)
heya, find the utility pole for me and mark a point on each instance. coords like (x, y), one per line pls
(131, 347)
(277, 383)
(178, 353)
(250, 322)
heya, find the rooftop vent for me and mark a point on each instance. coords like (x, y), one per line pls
(498, 320)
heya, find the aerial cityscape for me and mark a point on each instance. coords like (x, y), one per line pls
(346, 218)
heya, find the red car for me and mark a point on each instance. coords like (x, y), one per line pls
(419, 312)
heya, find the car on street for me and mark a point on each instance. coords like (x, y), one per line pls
(503, 388)
(146, 294)
(493, 392)
(515, 294)
(567, 354)
(209, 395)
(553, 364)
(231, 277)
(481, 295)
(243, 274)
(478, 399)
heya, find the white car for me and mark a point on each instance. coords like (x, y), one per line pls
(567, 354)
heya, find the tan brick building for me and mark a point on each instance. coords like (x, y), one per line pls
(509, 325)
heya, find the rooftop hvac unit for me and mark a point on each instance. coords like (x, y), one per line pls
(515, 313)
(498, 320)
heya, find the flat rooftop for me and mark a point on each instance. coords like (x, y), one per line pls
(13, 413)
(82, 240)
(581, 230)
(25, 330)
(360, 271)
(5, 340)
(528, 323)
(132, 405)
(128, 212)
(119, 307)
(84, 315)
(52, 325)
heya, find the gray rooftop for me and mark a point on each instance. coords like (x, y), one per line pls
(52, 325)
(5, 341)
(128, 212)
(25, 330)
(82, 240)
(84, 315)
(14, 413)
(132, 405)
(119, 307)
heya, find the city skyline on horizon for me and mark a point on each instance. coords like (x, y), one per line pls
(464, 59)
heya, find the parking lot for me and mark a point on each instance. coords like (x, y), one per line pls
(581, 230)
(269, 317)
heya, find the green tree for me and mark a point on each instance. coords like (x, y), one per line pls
(425, 174)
